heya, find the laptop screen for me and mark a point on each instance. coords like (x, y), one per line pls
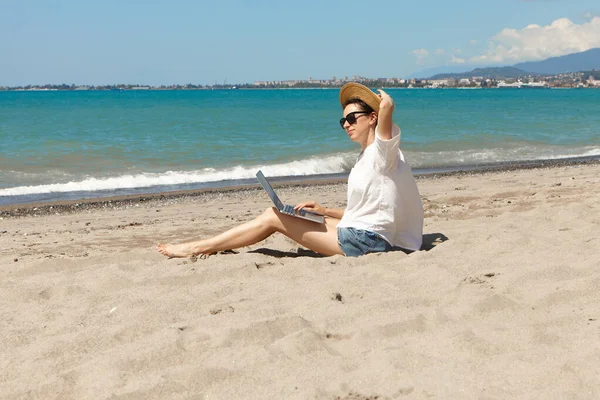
(267, 186)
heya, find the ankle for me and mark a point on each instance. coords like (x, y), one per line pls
(201, 249)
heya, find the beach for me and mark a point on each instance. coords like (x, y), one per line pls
(502, 302)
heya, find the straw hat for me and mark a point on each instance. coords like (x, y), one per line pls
(353, 90)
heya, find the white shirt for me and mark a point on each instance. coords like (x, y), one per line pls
(383, 195)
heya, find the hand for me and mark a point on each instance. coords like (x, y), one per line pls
(311, 206)
(386, 101)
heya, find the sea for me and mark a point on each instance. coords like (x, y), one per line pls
(68, 145)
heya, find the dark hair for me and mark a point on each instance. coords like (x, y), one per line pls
(361, 104)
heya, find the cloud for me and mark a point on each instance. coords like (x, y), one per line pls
(510, 46)
(535, 42)
(457, 60)
(421, 55)
(426, 57)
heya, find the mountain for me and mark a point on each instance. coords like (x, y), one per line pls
(584, 61)
(444, 69)
(491, 72)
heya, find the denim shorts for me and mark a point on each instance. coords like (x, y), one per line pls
(357, 242)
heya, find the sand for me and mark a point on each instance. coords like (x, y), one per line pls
(503, 302)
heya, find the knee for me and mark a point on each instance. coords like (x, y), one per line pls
(269, 217)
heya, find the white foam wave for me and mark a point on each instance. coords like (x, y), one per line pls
(483, 156)
(337, 163)
(313, 166)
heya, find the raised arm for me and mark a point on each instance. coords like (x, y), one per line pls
(386, 110)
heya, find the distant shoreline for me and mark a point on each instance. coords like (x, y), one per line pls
(292, 88)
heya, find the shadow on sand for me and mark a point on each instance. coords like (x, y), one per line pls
(281, 254)
(430, 240)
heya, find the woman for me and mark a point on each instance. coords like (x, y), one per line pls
(384, 210)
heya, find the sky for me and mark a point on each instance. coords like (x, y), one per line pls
(150, 42)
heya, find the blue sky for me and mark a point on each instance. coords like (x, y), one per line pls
(207, 42)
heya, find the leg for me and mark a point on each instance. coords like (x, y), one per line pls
(321, 238)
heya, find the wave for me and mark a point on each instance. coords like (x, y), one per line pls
(333, 164)
(471, 157)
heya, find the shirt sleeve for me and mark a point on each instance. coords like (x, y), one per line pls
(387, 150)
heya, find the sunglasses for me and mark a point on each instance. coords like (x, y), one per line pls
(351, 118)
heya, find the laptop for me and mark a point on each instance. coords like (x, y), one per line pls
(284, 208)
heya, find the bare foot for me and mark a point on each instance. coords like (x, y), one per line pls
(176, 250)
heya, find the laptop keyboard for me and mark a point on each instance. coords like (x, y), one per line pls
(287, 209)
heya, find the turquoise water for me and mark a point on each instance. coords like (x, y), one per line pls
(67, 144)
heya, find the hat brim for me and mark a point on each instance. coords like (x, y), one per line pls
(353, 90)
